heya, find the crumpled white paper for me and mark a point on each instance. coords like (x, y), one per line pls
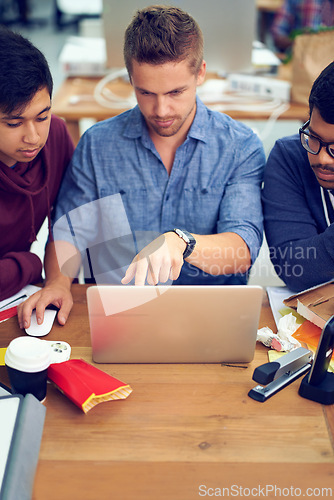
(283, 339)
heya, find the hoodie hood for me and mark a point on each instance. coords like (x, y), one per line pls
(27, 179)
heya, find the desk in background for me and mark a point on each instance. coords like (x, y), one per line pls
(183, 427)
(75, 101)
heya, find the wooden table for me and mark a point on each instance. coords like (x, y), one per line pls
(75, 101)
(183, 430)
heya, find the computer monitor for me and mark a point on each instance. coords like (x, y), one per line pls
(228, 28)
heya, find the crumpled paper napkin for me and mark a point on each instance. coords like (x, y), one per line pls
(283, 339)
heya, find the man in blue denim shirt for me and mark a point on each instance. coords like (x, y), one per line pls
(190, 174)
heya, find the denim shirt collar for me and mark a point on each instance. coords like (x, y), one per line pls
(136, 126)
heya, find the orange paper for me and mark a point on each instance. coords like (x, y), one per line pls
(310, 333)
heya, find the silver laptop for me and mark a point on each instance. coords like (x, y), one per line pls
(228, 28)
(173, 324)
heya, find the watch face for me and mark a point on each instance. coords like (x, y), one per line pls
(189, 240)
(182, 235)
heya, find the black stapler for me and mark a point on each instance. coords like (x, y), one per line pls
(278, 374)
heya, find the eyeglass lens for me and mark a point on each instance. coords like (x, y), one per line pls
(313, 145)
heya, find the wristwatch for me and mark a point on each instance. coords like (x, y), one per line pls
(188, 239)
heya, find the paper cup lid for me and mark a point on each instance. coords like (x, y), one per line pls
(28, 354)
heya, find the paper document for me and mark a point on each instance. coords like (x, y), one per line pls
(276, 295)
(8, 306)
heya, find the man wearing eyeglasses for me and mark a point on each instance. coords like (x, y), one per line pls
(298, 195)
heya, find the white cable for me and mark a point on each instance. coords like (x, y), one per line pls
(272, 120)
(240, 102)
(245, 102)
(105, 97)
(324, 204)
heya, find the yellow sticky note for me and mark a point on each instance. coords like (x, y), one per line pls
(2, 356)
(273, 355)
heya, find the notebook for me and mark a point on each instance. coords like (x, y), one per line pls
(173, 324)
(21, 429)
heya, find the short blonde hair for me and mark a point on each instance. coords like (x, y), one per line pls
(160, 34)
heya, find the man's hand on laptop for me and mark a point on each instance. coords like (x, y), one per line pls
(158, 262)
(57, 293)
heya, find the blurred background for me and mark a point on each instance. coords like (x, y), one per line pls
(49, 23)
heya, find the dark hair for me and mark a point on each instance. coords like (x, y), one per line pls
(322, 94)
(160, 34)
(23, 71)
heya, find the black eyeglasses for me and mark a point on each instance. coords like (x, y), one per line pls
(313, 144)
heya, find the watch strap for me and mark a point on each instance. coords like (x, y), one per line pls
(188, 239)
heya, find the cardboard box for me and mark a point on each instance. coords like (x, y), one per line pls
(315, 304)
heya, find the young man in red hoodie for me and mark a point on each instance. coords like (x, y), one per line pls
(35, 149)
